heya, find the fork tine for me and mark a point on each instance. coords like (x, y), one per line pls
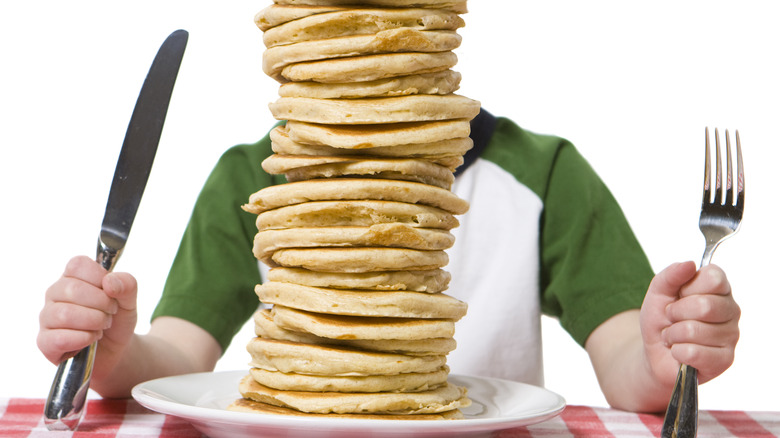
(740, 177)
(729, 192)
(718, 172)
(707, 195)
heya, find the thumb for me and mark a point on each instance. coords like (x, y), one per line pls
(122, 287)
(668, 282)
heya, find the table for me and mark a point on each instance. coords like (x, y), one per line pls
(22, 417)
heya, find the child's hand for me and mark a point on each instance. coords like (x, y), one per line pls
(87, 304)
(690, 317)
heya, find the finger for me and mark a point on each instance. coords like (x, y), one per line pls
(706, 308)
(709, 361)
(708, 335)
(76, 291)
(86, 269)
(710, 279)
(669, 281)
(57, 345)
(73, 317)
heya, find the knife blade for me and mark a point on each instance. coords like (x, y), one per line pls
(64, 407)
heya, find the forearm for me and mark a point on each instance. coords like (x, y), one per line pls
(623, 371)
(172, 347)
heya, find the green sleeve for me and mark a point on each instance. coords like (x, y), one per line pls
(592, 264)
(212, 279)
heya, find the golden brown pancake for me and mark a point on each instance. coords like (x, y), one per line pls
(265, 327)
(401, 40)
(392, 304)
(407, 382)
(372, 110)
(334, 189)
(442, 82)
(442, 399)
(251, 406)
(356, 327)
(320, 360)
(360, 213)
(305, 167)
(367, 67)
(457, 6)
(362, 21)
(267, 242)
(373, 136)
(358, 260)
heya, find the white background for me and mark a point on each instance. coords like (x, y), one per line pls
(632, 84)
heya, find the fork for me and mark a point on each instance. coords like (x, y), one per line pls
(720, 218)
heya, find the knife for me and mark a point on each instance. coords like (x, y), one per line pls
(67, 397)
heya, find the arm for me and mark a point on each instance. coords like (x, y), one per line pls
(88, 304)
(687, 317)
(173, 346)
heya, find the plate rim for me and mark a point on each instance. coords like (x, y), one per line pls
(157, 401)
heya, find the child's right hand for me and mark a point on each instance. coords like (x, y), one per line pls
(87, 304)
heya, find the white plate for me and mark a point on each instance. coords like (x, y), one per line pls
(201, 399)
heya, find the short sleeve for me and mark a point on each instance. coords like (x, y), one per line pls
(212, 278)
(592, 264)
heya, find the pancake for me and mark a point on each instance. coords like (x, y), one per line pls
(303, 167)
(356, 327)
(276, 15)
(319, 360)
(354, 189)
(265, 327)
(395, 235)
(251, 406)
(445, 398)
(354, 260)
(407, 382)
(401, 40)
(375, 110)
(361, 213)
(367, 67)
(457, 6)
(447, 153)
(443, 82)
(359, 22)
(373, 136)
(419, 281)
(394, 304)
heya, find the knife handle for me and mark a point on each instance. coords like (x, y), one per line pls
(68, 394)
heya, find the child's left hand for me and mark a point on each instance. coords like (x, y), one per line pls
(690, 317)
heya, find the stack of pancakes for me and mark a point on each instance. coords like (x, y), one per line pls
(356, 239)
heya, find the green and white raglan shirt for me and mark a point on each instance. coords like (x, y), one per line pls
(542, 235)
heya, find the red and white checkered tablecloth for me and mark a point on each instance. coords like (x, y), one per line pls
(22, 418)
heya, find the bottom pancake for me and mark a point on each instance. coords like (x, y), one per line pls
(445, 398)
(251, 406)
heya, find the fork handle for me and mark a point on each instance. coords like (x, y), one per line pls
(681, 415)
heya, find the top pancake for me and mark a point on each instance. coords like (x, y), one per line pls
(359, 22)
(454, 5)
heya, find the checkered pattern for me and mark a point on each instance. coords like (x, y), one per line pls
(23, 418)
